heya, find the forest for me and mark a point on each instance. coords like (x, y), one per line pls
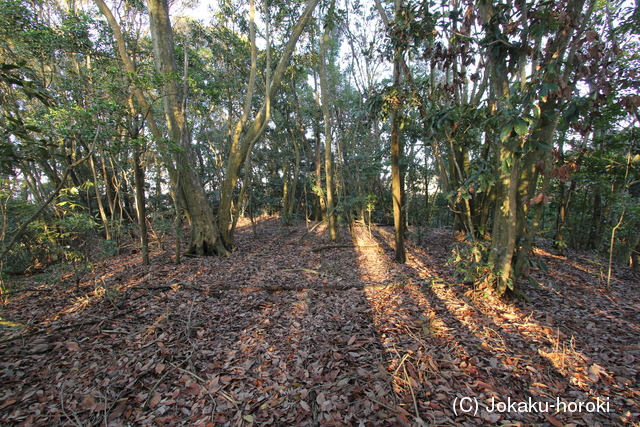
(319, 212)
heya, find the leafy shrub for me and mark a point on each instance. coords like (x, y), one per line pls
(468, 258)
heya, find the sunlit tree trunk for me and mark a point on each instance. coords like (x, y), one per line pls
(518, 178)
(506, 166)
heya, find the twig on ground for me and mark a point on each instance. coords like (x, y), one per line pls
(204, 382)
(305, 270)
(324, 248)
(76, 421)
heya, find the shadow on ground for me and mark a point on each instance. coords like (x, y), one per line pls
(291, 330)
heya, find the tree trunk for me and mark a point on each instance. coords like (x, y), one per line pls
(255, 129)
(596, 221)
(397, 178)
(328, 123)
(294, 182)
(503, 237)
(103, 213)
(205, 235)
(286, 188)
(138, 172)
(319, 208)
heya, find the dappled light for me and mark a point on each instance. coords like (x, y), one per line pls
(313, 213)
(290, 330)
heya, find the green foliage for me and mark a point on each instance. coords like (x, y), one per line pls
(533, 263)
(59, 236)
(468, 258)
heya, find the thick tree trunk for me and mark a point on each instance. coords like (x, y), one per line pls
(503, 237)
(186, 186)
(509, 218)
(205, 235)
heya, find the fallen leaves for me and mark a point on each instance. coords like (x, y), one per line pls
(256, 339)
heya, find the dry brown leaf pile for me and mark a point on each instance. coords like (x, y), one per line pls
(278, 334)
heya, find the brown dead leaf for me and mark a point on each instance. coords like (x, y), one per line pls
(414, 383)
(402, 411)
(8, 403)
(352, 340)
(490, 417)
(88, 403)
(193, 389)
(40, 348)
(155, 399)
(595, 371)
(269, 348)
(553, 420)
(72, 346)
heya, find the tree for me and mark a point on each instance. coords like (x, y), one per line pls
(328, 122)
(205, 234)
(255, 128)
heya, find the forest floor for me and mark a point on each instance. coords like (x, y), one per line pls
(281, 333)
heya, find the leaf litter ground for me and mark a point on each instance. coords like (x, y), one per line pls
(291, 332)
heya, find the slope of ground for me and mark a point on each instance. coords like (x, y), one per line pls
(288, 331)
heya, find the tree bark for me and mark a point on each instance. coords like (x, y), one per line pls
(205, 235)
(397, 178)
(328, 124)
(103, 213)
(255, 129)
(144, 106)
(138, 173)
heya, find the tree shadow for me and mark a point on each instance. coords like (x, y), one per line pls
(285, 333)
(510, 353)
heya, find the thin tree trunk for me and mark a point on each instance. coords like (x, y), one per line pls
(103, 213)
(138, 173)
(294, 182)
(328, 124)
(256, 128)
(246, 185)
(177, 227)
(397, 184)
(18, 234)
(285, 189)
